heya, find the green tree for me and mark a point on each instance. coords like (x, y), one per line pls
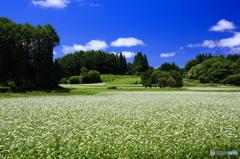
(92, 77)
(129, 68)
(160, 78)
(146, 78)
(191, 64)
(233, 79)
(122, 64)
(177, 78)
(140, 63)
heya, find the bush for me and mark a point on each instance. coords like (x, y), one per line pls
(92, 77)
(203, 79)
(232, 79)
(63, 81)
(20, 85)
(112, 87)
(75, 80)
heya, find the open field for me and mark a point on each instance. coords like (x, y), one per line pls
(121, 125)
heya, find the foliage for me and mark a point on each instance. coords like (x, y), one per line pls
(195, 72)
(233, 79)
(26, 54)
(161, 79)
(75, 80)
(214, 69)
(168, 67)
(63, 81)
(92, 77)
(140, 64)
(104, 63)
(191, 64)
(177, 77)
(203, 79)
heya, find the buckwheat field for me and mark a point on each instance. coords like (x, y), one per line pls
(120, 125)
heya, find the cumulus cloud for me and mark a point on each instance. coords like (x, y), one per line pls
(223, 25)
(128, 42)
(54, 53)
(228, 42)
(231, 43)
(128, 54)
(92, 45)
(170, 54)
(51, 3)
(209, 43)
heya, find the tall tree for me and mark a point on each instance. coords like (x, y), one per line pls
(140, 64)
(26, 53)
(122, 64)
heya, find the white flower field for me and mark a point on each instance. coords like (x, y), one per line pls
(120, 125)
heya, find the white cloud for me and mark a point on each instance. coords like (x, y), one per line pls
(92, 45)
(54, 53)
(128, 42)
(170, 54)
(128, 54)
(209, 43)
(51, 3)
(193, 45)
(223, 25)
(181, 48)
(235, 50)
(96, 5)
(232, 43)
(228, 42)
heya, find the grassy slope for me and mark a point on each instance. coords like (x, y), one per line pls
(123, 83)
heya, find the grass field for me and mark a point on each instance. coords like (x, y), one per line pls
(121, 124)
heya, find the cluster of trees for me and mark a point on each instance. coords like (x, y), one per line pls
(167, 75)
(26, 55)
(105, 63)
(214, 69)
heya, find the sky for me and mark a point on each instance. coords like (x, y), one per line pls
(165, 30)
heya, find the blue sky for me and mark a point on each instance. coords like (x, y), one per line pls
(165, 30)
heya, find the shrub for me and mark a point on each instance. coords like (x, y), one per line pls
(75, 80)
(20, 85)
(63, 81)
(203, 79)
(92, 77)
(112, 87)
(232, 79)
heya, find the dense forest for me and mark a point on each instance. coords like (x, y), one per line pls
(26, 55)
(214, 69)
(26, 62)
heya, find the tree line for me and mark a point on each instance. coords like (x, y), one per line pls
(167, 75)
(214, 69)
(26, 62)
(75, 64)
(26, 55)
